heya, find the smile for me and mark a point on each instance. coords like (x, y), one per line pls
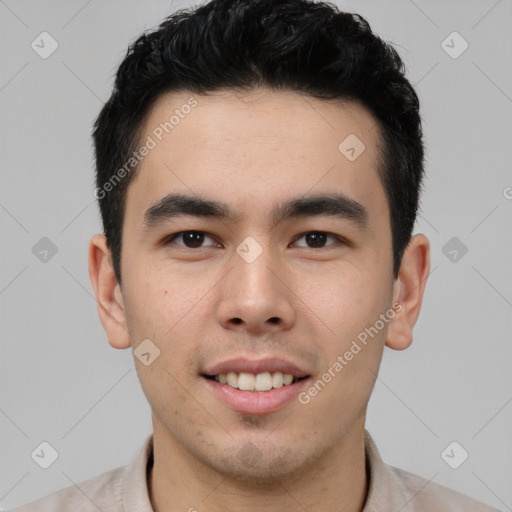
(264, 381)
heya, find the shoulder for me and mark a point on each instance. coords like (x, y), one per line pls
(424, 495)
(102, 492)
(117, 490)
(392, 488)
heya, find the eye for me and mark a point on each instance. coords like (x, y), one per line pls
(190, 239)
(317, 239)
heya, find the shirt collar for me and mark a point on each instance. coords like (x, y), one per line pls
(385, 489)
(135, 488)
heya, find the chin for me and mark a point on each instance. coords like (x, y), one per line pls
(260, 464)
(265, 471)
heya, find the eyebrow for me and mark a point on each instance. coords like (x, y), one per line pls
(332, 205)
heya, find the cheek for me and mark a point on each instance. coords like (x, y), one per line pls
(170, 309)
(143, 299)
(350, 305)
(156, 298)
(345, 299)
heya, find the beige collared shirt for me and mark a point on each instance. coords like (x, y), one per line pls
(125, 490)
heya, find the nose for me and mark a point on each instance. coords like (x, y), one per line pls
(257, 296)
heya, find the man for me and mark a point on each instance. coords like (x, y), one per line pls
(258, 173)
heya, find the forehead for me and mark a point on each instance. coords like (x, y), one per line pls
(264, 146)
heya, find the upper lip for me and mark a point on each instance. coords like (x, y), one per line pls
(241, 364)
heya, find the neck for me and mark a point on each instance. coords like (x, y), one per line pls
(337, 480)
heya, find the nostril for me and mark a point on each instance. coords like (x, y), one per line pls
(274, 320)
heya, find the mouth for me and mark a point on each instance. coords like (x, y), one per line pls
(259, 382)
(255, 387)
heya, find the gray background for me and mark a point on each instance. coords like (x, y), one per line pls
(60, 380)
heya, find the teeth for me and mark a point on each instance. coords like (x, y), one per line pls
(246, 381)
(232, 378)
(277, 380)
(249, 382)
(263, 382)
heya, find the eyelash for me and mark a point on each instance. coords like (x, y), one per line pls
(170, 239)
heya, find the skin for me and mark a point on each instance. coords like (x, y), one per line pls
(234, 148)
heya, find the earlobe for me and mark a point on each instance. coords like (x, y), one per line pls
(108, 294)
(408, 292)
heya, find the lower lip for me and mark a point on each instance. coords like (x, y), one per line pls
(256, 402)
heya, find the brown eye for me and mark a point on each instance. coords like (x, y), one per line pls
(189, 239)
(317, 239)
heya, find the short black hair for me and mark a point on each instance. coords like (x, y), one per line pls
(290, 45)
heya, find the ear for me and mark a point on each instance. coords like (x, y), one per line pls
(108, 293)
(408, 291)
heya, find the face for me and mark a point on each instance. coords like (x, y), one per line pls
(277, 284)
